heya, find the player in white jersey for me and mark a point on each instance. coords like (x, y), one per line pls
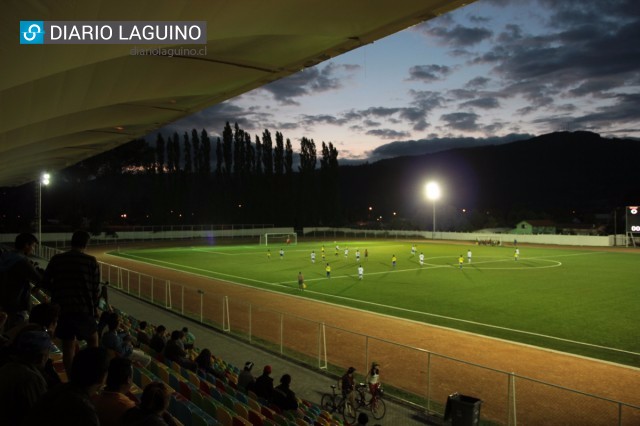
(360, 272)
(421, 258)
(313, 257)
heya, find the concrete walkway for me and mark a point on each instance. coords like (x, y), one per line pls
(307, 383)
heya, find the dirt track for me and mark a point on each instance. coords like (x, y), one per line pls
(536, 404)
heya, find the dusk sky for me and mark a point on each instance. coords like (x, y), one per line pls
(493, 71)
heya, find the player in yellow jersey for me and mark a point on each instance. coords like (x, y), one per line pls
(393, 261)
(328, 270)
(461, 261)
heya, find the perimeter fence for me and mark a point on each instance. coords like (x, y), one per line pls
(418, 376)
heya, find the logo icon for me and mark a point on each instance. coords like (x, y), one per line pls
(31, 32)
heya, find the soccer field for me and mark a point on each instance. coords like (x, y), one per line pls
(574, 300)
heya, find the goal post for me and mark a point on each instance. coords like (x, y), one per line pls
(279, 238)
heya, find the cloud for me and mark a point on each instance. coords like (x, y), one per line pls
(464, 121)
(388, 133)
(433, 145)
(321, 78)
(484, 103)
(458, 36)
(428, 73)
(477, 83)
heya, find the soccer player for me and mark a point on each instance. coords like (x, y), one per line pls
(346, 252)
(322, 249)
(281, 254)
(328, 270)
(313, 257)
(421, 258)
(323, 257)
(268, 254)
(357, 255)
(337, 249)
(413, 250)
(288, 240)
(516, 254)
(360, 272)
(469, 255)
(300, 281)
(460, 261)
(393, 261)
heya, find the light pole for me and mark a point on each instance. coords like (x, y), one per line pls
(45, 179)
(433, 193)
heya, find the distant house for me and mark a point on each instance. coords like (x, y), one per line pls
(535, 227)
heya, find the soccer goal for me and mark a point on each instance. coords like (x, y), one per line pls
(270, 239)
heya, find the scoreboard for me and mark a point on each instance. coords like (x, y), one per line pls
(633, 219)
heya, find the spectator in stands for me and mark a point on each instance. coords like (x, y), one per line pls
(153, 408)
(174, 351)
(103, 298)
(142, 336)
(246, 381)
(189, 338)
(70, 403)
(205, 364)
(283, 396)
(21, 380)
(264, 384)
(113, 402)
(159, 339)
(17, 273)
(45, 316)
(73, 278)
(121, 343)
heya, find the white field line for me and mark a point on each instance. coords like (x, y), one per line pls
(497, 327)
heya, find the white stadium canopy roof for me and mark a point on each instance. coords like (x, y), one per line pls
(60, 104)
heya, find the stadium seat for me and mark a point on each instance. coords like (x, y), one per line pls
(254, 404)
(209, 407)
(223, 417)
(241, 410)
(255, 418)
(228, 402)
(180, 411)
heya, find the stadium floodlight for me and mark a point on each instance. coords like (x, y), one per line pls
(432, 190)
(45, 179)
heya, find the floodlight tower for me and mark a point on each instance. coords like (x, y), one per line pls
(45, 179)
(432, 190)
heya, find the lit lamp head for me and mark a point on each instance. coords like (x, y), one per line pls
(45, 179)
(433, 191)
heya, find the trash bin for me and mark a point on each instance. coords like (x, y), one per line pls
(462, 410)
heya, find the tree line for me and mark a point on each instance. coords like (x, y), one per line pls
(192, 179)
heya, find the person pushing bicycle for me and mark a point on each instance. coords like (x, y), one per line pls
(348, 387)
(373, 379)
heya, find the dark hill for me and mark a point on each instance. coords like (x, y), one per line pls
(550, 173)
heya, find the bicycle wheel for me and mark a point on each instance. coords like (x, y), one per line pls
(328, 403)
(378, 408)
(349, 412)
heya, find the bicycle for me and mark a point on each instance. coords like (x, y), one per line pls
(375, 404)
(334, 402)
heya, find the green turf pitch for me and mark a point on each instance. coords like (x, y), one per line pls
(585, 302)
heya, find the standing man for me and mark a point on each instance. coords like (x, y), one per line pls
(360, 272)
(73, 279)
(17, 273)
(328, 270)
(421, 258)
(366, 255)
(460, 261)
(516, 254)
(301, 281)
(413, 250)
(358, 255)
(469, 255)
(346, 252)
(281, 254)
(313, 257)
(268, 254)
(393, 261)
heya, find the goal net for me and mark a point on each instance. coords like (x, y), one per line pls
(270, 239)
